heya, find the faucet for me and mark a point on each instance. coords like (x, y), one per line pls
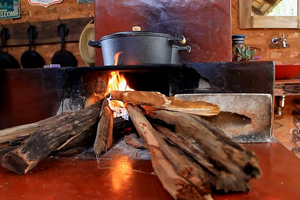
(283, 40)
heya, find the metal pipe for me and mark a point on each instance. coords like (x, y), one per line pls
(283, 40)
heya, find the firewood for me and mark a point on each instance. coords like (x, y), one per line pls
(48, 136)
(178, 187)
(81, 139)
(188, 147)
(224, 153)
(174, 170)
(132, 140)
(185, 166)
(104, 135)
(5, 150)
(68, 152)
(219, 180)
(122, 126)
(93, 99)
(17, 134)
(159, 100)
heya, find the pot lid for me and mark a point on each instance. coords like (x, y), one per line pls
(87, 53)
(134, 33)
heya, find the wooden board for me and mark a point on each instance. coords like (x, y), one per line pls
(46, 31)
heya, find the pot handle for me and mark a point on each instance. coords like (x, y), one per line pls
(185, 48)
(95, 44)
(181, 39)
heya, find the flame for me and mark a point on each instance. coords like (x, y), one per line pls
(117, 82)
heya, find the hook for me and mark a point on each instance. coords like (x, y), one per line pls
(92, 16)
(28, 23)
(60, 21)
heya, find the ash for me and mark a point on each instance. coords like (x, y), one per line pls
(119, 148)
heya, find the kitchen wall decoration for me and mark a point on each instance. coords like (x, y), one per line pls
(44, 3)
(84, 1)
(9, 9)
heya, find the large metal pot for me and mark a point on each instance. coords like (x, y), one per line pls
(137, 47)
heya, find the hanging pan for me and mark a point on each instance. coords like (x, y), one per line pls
(64, 57)
(31, 58)
(7, 61)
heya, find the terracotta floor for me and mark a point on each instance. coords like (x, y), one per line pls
(126, 173)
(130, 176)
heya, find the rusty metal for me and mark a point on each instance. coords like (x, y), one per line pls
(253, 117)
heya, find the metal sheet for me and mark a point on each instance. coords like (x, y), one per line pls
(254, 119)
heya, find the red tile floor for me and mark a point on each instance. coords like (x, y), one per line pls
(122, 176)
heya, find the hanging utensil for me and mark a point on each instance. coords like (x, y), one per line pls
(63, 57)
(7, 61)
(31, 58)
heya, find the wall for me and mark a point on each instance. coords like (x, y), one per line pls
(261, 39)
(65, 10)
(205, 24)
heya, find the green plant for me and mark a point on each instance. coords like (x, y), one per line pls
(244, 54)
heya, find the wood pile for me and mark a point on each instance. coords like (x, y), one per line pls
(190, 156)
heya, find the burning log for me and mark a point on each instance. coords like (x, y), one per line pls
(104, 135)
(159, 100)
(178, 174)
(223, 153)
(48, 136)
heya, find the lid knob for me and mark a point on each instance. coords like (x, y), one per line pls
(136, 28)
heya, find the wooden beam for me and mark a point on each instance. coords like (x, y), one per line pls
(275, 21)
(245, 13)
(46, 31)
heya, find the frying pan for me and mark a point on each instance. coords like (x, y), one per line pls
(63, 57)
(31, 58)
(7, 61)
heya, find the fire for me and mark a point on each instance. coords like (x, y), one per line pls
(117, 82)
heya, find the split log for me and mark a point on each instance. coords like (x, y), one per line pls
(15, 135)
(175, 171)
(48, 137)
(224, 153)
(104, 135)
(70, 152)
(132, 140)
(219, 180)
(81, 139)
(159, 100)
(185, 166)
